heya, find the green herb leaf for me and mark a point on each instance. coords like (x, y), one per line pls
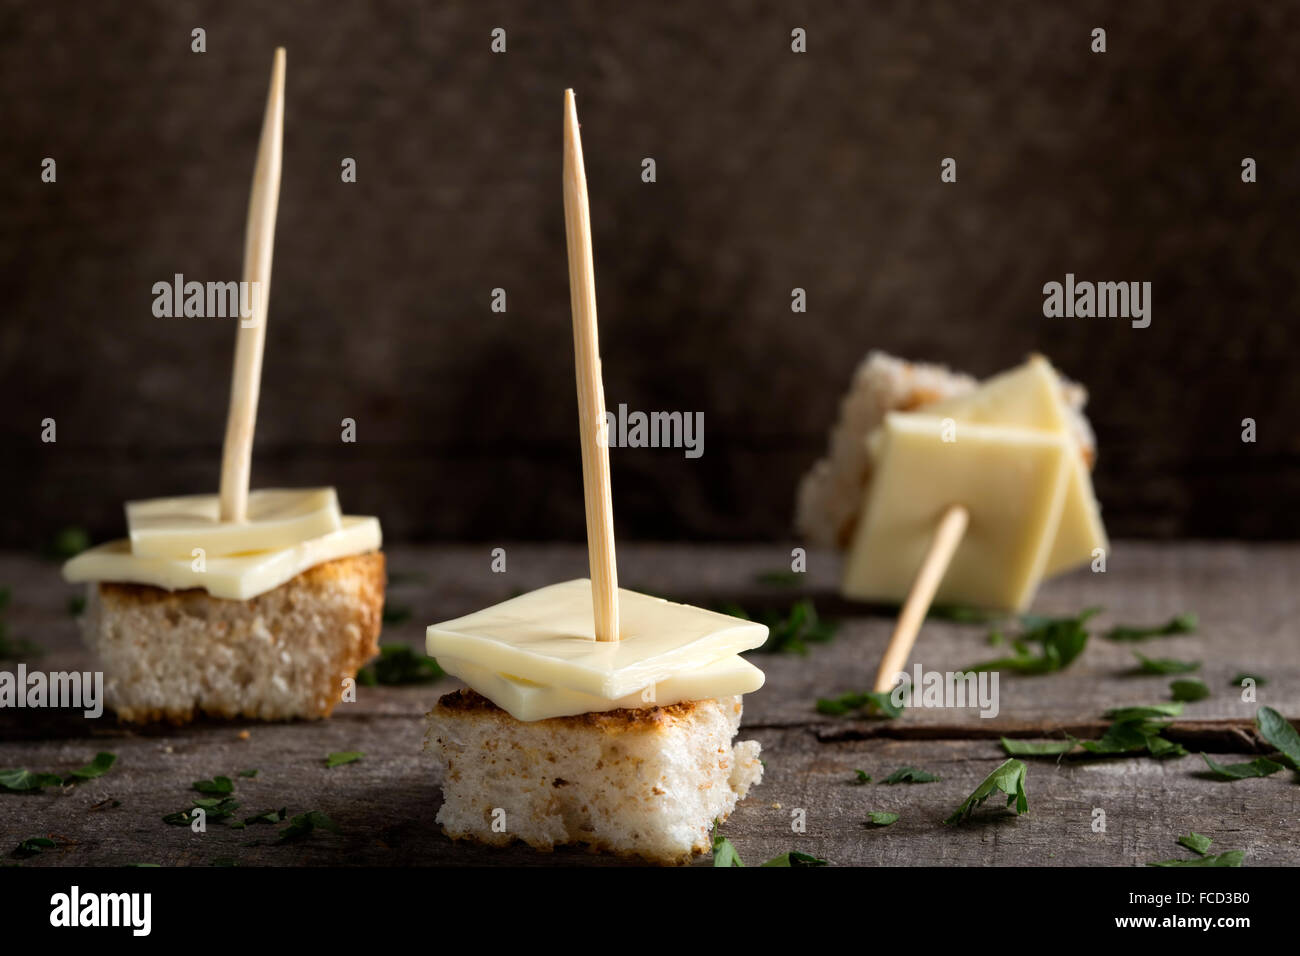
(396, 614)
(1158, 746)
(1125, 714)
(1277, 730)
(77, 605)
(248, 773)
(399, 664)
(304, 824)
(910, 775)
(1243, 677)
(795, 858)
(212, 805)
(874, 703)
(16, 650)
(33, 846)
(215, 785)
(1133, 731)
(863, 776)
(1231, 858)
(882, 819)
(1188, 689)
(724, 854)
(1038, 748)
(961, 614)
(1059, 641)
(23, 781)
(267, 816)
(99, 766)
(1196, 842)
(214, 809)
(1120, 738)
(1009, 778)
(1182, 624)
(793, 632)
(341, 757)
(1259, 767)
(69, 543)
(1165, 665)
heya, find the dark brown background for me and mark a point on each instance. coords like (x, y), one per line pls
(775, 170)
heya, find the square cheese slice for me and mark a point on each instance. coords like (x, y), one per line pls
(237, 578)
(1030, 396)
(1011, 480)
(548, 637)
(277, 518)
(525, 700)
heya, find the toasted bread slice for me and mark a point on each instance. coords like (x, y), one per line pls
(171, 655)
(830, 494)
(647, 783)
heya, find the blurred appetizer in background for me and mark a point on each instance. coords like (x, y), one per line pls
(915, 442)
(244, 604)
(593, 715)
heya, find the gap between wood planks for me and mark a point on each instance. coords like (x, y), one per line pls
(1216, 736)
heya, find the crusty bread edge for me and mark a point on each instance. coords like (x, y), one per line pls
(467, 701)
(370, 564)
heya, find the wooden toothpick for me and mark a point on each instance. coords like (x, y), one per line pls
(259, 239)
(942, 547)
(591, 392)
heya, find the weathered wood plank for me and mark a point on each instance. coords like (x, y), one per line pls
(385, 804)
(1148, 804)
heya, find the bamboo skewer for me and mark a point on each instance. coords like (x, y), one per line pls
(952, 526)
(259, 240)
(592, 426)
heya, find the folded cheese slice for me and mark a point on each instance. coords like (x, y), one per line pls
(237, 577)
(1030, 397)
(277, 518)
(1011, 480)
(548, 637)
(525, 700)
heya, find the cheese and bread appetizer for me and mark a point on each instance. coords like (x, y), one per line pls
(624, 746)
(914, 440)
(263, 619)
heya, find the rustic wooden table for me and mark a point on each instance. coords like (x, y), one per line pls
(1246, 597)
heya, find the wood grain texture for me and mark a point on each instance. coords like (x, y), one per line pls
(775, 171)
(385, 804)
